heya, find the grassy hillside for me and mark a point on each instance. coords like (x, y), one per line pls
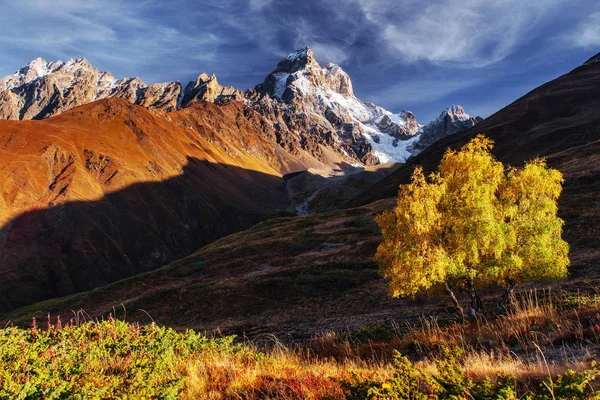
(542, 348)
(285, 276)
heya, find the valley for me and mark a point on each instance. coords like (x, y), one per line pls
(133, 216)
(296, 276)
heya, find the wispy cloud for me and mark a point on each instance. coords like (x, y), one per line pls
(472, 33)
(119, 34)
(586, 34)
(257, 5)
(426, 90)
(401, 53)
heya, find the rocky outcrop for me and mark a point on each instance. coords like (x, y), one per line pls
(450, 121)
(207, 88)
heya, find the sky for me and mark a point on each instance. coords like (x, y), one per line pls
(401, 54)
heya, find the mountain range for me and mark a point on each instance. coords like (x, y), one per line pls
(104, 178)
(311, 108)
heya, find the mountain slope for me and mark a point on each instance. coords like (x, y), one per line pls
(109, 189)
(559, 120)
(557, 116)
(286, 276)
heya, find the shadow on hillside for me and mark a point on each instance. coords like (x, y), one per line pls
(313, 193)
(81, 245)
(77, 246)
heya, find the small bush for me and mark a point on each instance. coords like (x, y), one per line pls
(109, 359)
(450, 382)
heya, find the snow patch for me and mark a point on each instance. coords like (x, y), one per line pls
(383, 145)
(298, 54)
(302, 85)
(280, 84)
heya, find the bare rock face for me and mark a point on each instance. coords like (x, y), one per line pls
(450, 121)
(404, 127)
(207, 88)
(164, 96)
(42, 89)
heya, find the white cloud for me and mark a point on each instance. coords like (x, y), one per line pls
(257, 5)
(329, 53)
(121, 36)
(459, 32)
(586, 34)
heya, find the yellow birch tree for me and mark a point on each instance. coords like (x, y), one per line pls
(473, 221)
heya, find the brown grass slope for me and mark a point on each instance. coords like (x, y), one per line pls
(286, 276)
(109, 190)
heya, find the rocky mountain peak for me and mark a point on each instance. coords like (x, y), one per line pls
(207, 88)
(337, 79)
(31, 71)
(299, 60)
(318, 105)
(35, 69)
(300, 75)
(42, 89)
(454, 112)
(451, 120)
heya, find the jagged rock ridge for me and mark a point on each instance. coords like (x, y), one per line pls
(312, 109)
(42, 89)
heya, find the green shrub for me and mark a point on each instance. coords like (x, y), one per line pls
(449, 382)
(108, 359)
(570, 385)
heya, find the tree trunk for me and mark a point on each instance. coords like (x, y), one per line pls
(476, 303)
(508, 292)
(450, 293)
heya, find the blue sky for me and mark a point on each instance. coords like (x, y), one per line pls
(410, 54)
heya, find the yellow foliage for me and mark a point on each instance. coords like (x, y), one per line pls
(473, 219)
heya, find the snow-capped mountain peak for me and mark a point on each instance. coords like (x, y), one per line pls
(451, 120)
(455, 112)
(368, 132)
(304, 53)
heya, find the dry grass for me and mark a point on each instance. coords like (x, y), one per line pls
(282, 374)
(542, 334)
